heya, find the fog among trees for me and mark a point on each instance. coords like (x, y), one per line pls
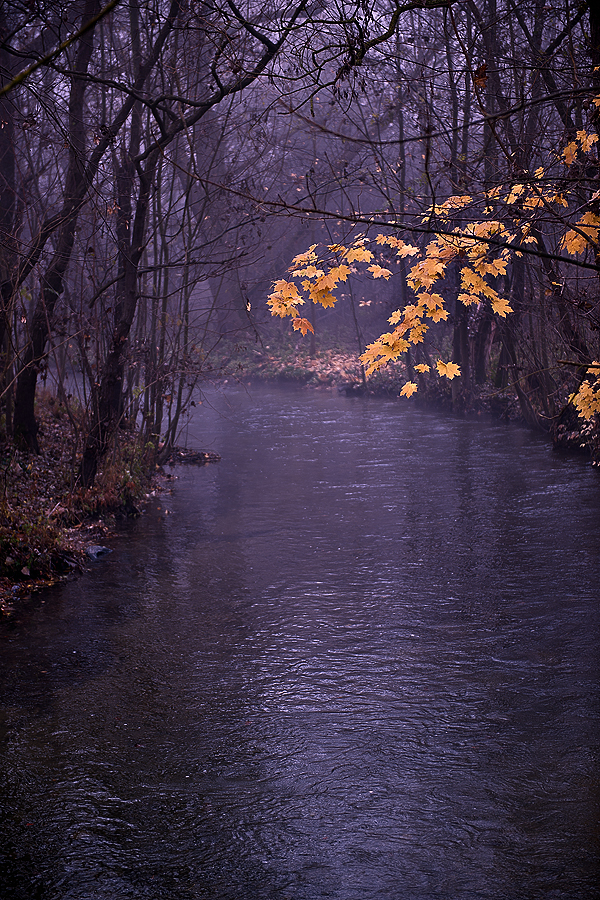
(161, 163)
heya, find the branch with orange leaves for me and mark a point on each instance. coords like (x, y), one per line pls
(316, 278)
(483, 248)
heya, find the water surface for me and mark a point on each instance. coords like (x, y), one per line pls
(358, 658)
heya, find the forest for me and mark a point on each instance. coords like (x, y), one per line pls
(165, 166)
(299, 449)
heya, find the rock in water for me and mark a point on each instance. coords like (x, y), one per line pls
(95, 551)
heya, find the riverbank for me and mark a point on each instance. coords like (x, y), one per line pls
(47, 523)
(341, 370)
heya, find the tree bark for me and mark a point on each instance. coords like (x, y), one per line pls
(80, 175)
(107, 396)
(25, 425)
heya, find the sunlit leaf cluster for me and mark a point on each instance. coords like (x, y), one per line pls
(481, 248)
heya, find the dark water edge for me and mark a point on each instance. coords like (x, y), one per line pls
(357, 658)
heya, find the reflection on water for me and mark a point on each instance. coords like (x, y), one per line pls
(356, 659)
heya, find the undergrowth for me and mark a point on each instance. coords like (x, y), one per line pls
(46, 519)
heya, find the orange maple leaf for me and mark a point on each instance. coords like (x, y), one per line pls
(501, 306)
(570, 153)
(438, 315)
(379, 272)
(302, 325)
(359, 254)
(340, 273)
(449, 370)
(409, 389)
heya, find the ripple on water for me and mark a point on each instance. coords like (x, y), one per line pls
(359, 659)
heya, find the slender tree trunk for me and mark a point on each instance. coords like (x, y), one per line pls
(9, 226)
(107, 395)
(25, 424)
(80, 175)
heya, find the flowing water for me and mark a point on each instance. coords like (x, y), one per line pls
(357, 658)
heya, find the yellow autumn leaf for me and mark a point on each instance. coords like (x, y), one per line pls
(394, 343)
(359, 254)
(570, 153)
(411, 314)
(498, 266)
(324, 297)
(280, 307)
(516, 191)
(458, 202)
(302, 325)
(449, 370)
(307, 272)
(490, 267)
(389, 346)
(589, 225)
(586, 140)
(501, 306)
(422, 367)
(406, 250)
(389, 239)
(587, 399)
(431, 301)
(303, 258)
(433, 266)
(285, 288)
(471, 281)
(417, 333)
(533, 202)
(443, 209)
(284, 299)
(446, 246)
(372, 366)
(468, 299)
(379, 271)
(340, 273)
(325, 282)
(425, 273)
(409, 389)
(438, 315)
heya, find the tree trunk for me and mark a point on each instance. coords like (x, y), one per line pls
(80, 175)
(107, 406)
(25, 425)
(9, 224)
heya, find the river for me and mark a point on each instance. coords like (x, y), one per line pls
(358, 658)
